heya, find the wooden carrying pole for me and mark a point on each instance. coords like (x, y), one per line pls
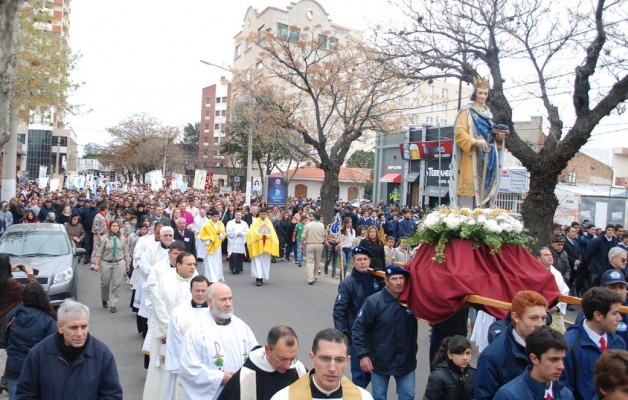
(487, 301)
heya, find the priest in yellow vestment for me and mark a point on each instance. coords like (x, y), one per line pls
(212, 234)
(262, 243)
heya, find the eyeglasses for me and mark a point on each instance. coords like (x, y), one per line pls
(167, 235)
(329, 359)
(624, 260)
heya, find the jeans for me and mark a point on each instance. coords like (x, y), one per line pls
(358, 377)
(405, 386)
(348, 253)
(332, 255)
(12, 388)
(299, 250)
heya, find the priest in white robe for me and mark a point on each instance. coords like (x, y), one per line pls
(212, 234)
(237, 229)
(199, 221)
(215, 348)
(172, 289)
(183, 317)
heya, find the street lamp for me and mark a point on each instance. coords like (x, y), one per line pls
(249, 155)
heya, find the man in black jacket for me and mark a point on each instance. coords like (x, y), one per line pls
(352, 292)
(597, 253)
(185, 235)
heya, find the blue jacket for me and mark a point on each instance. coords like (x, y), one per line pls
(501, 362)
(582, 355)
(47, 376)
(386, 332)
(351, 296)
(29, 327)
(525, 387)
(596, 254)
(406, 227)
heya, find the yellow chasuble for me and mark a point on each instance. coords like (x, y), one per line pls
(212, 233)
(262, 238)
(301, 389)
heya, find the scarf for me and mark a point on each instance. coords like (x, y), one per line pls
(366, 280)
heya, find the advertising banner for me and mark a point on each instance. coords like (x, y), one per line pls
(426, 150)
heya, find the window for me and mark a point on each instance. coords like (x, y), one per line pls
(322, 40)
(428, 120)
(443, 106)
(216, 126)
(207, 114)
(430, 106)
(218, 113)
(217, 140)
(260, 32)
(399, 101)
(205, 144)
(224, 100)
(294, 34)
(332, 44)
(282, 31)
(415, 102)
(208, 101)
(21, 138)
(59, 141)
(430, 90)
(206, 127)
(413, 120)
(445, 93)
(238, 51)
(223, 113)
(416, 87)
(217, 100)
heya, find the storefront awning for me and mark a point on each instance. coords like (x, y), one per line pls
(412, 176)
(436, 191)
(391, 177)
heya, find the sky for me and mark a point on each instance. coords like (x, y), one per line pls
(143, 56)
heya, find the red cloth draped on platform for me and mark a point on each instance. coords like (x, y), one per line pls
(436, 291)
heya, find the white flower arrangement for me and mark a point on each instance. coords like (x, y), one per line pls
(491, 226)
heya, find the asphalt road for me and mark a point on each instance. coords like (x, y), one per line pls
(285, 299)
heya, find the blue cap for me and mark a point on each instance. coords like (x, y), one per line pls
(362, 250)
(394, 270)
(612, 276)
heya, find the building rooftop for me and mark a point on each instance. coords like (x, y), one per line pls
(317, 174)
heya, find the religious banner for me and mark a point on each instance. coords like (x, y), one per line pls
(209, 182)
(276, 191)
(54, 185)
(155, 179)
(429, 149)
(257, 184)
(200, 177)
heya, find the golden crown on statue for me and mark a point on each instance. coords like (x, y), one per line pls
(479, 82)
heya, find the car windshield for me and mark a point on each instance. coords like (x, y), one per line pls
(35, 243)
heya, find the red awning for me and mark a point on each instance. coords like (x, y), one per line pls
(391, 178)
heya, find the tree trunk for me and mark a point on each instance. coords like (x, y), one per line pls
(540, 204)
(329, 191)
(8, 38)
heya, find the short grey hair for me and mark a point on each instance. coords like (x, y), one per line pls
(72, 308)
(180, 219)
(615, 252)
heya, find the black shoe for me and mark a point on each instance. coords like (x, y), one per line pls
(258, 282)
(233, 271)
(105, 304)
(299, 265)
(112, 309)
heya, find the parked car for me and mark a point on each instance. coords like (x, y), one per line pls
(47, 248)
(358, 202)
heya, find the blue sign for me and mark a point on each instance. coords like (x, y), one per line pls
(276, 195)
(236, 180)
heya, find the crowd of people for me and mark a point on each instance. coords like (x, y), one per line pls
(170, 247)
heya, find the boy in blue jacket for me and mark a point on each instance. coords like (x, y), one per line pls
(591, 337)
(546, 351)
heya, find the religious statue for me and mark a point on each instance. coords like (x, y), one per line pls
(478, 152)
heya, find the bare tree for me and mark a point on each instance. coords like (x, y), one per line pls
(327, 91)
(535, 51)
(139, 144)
